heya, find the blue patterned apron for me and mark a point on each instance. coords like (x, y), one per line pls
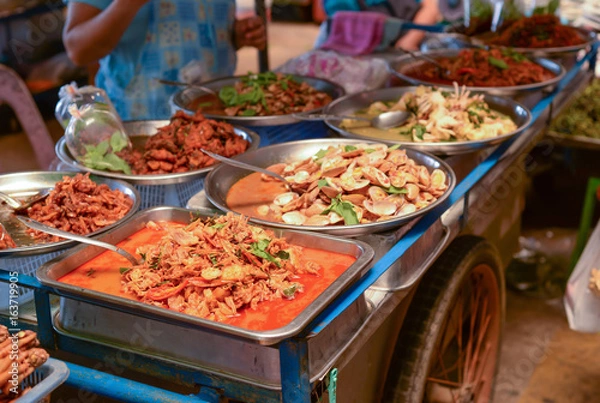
(179, 32)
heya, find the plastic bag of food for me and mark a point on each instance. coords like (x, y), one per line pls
(71, 94)
(582, 297)
(490, 15)
(94, 136)
(355, 74)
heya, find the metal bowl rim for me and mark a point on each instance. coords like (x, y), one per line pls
(54, 246)
(429, 144)
(355, 229)
(162, 179)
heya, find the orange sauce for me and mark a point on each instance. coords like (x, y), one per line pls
(251, 192)
(102, 274)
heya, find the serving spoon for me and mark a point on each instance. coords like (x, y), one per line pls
(19, 206)
(243, 165)
(423, 56)
(385, 120)
(181, 84)
(67, 235)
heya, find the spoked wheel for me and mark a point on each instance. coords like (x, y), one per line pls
(448, 347)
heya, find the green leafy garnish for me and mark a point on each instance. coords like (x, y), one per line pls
(509, 52)
(124, 270)
(218, 225)
(501, 64)
(204, 104)
(394, 190)
(90, 272)
(213, 259)
(394, 147)
(99, 157)
(321, 183)
(118, 142)
(290, 291)
(418, 131)
(320, 154)
(344, 209)
(260, 249)
(348, 148)
(369, 150)
(283, 255)
(249, 112)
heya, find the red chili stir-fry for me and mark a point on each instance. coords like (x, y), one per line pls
(80, 206)
(176, 147)
(215, 267)
(537, 31)
(483, 68)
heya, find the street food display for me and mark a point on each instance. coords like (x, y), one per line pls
(436, 116)
(537, 31)
(177, 146)
(582, 116)
(340, 185)
(262, 94)
(482, 68)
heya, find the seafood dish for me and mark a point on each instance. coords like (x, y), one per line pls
(75, 203)
(262, 94)
(537, 31)
(341, 184)
(216, 268)
(482, 68)
(436, 115)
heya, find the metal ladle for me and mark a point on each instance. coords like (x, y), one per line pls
(180, 84)
(422, 56)
(67, 235)
(385, 120)
(243, 165)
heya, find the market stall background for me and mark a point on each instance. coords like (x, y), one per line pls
(521, 368)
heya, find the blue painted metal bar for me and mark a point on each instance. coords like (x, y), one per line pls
(358, 288)
(295, 381)
(91, 382)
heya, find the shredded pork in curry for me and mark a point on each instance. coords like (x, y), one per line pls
(214, 268)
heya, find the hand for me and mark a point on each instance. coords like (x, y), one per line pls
(250, 32)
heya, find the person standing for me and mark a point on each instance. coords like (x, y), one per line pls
(136, 41)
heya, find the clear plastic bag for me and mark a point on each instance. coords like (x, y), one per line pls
(581, 303)
(94, 136)
(71, 94)
(353, 73)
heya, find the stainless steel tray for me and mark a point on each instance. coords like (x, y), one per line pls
(50, 272)
(149, 128)
(182, 98)
(220, 180)
(350, 104)
(25, 184)
(398, 66)
(566, 140)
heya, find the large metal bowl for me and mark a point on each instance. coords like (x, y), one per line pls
(402, 64)
(219, 181)
(181, 99)
(149, 128)
(24, 184)
(350, 104)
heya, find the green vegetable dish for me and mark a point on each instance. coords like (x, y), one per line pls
(582, 117)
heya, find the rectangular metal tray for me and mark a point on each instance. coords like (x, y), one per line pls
(49, 273)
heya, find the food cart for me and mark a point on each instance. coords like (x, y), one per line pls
(434, 281)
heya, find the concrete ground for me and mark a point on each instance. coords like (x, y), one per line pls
(542, 360)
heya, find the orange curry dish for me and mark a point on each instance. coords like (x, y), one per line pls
(213, 268)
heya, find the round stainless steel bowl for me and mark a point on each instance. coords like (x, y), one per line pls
(401, 65)
(28, 183)
(182, 99)
(149, 128)
(221, 179)
(350, 104)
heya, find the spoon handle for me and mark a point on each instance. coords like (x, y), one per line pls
(323, 116)
(180, 84)
(67, 235)
(243, 165)
(13, 203)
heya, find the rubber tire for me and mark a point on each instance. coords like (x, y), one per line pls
(427, 313)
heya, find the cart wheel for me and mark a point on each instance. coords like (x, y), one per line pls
(448, 348)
